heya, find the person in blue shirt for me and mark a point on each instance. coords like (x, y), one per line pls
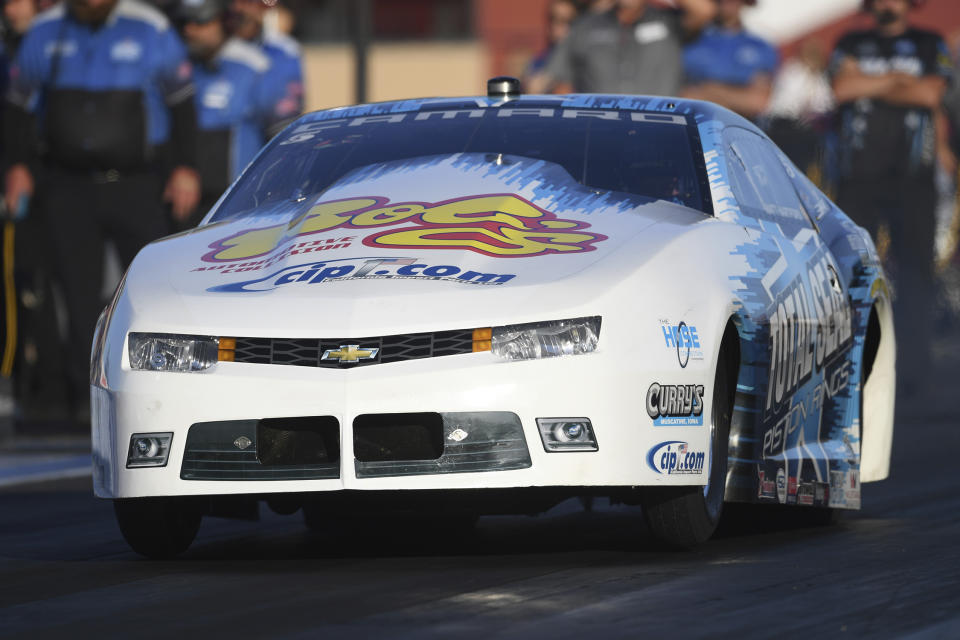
(729, 66)
(236, 98)
(100, 129)
(283, 51)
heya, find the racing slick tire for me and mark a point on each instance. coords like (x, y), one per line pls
(158, 528)
(683, 517)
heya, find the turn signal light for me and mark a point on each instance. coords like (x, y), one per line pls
(481, 339)
(226, 349)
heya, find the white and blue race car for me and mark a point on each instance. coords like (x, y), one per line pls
(492, 304)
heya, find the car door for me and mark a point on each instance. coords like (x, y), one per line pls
(804, 317)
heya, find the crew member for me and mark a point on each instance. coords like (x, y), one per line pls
(888, 82)
(632, 48)
(729, 66)
(101, 115)
(38, 374)
(236, 98)
(283, 51)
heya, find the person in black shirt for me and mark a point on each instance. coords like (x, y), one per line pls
(888, 82)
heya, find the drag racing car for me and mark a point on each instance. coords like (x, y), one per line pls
(490, 305)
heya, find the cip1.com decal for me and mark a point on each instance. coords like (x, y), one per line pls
(363, 269)
(675, 405)
(676, 458)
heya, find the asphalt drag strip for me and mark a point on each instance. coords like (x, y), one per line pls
(890, 570)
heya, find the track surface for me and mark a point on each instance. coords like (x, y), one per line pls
(892, 569)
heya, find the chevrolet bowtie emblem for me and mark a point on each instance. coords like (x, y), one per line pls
(349, 353)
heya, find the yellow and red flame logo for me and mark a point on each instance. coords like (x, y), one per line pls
(499, 225)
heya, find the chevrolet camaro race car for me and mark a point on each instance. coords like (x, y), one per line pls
(490, 305)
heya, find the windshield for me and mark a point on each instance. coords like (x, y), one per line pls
(650, 155)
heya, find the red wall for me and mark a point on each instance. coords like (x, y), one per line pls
(514, 30)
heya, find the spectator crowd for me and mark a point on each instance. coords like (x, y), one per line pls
(123, 121)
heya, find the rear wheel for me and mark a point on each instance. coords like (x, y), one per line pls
(158, 527)
(683, 517)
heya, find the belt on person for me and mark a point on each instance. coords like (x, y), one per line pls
(99, 176)
(106, 177)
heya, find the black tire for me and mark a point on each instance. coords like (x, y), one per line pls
(158, 528)
(684, 517)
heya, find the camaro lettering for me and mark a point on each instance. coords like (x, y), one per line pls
(309, 130)
(675, 405)
(500, 225)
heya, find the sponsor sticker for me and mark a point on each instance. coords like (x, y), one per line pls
(837, 486)
(852, 491)
(805, 494)
(672, 405)
(300, 248)
(675, 457)
(836, 380)
(766, 487)
(798, 347)
(683, 339)
(821, 494)
(373, 268)
(496, 225)
(781, 486)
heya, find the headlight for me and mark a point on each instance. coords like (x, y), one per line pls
(166, 352)
(546, 339)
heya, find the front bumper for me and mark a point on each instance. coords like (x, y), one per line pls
(597, 386)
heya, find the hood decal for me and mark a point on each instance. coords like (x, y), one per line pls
(494, 225)
(366, 268)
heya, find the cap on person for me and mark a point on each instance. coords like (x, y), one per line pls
(201, 11)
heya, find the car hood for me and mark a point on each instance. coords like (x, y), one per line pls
(473, 239)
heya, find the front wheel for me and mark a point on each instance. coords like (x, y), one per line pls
(683, 517)
(158, 528)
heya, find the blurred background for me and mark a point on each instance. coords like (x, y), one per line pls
(450, 47)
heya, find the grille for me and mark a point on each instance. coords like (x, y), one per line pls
(306, 352)
(469, 442)
(268, 449)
